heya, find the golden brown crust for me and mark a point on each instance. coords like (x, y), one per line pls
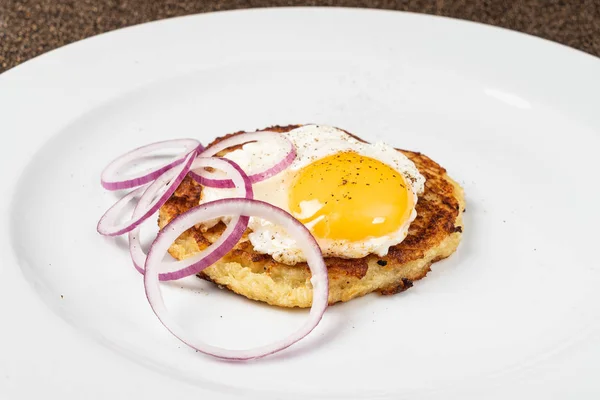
(433, 235)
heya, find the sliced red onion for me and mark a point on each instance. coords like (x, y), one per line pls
(245, 207)
(154, 197)
(203, 177)
(111, 178)
(228, 239)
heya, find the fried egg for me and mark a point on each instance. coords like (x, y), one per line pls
(356, 198)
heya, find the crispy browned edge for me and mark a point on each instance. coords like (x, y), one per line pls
(436, 220)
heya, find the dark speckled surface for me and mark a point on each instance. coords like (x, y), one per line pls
(31, 27)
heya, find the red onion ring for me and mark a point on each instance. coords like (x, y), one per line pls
(245, 207)
(228, 239)
(110, 176)
(203, 177)
(154, 197)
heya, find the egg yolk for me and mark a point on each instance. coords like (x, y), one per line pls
(349, 196)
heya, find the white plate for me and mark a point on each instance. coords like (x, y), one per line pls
(513, 314)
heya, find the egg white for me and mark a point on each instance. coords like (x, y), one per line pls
(312, 143)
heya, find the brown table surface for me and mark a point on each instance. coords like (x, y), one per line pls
(31, 27)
